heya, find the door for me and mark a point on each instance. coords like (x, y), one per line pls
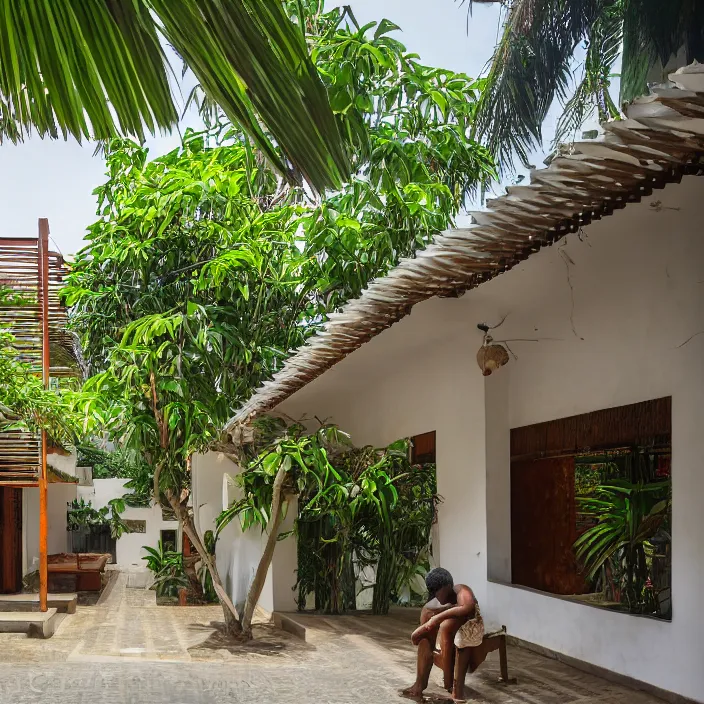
(10, 540)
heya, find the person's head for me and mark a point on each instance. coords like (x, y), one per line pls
(440, 585)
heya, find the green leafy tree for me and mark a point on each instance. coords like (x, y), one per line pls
(187, 296)
(97, 70)
(357, 507)
(81, 514)
(532, 62)
(206, 267)
(414, 163)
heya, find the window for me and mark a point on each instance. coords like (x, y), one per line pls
(576, 483)
(136, 526)
(168, 540)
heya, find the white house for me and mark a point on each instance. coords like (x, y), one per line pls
(598, 270)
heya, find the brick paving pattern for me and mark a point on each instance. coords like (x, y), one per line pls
(128, 650)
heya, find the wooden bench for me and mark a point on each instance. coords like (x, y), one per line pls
(493, 640)
(85, 569)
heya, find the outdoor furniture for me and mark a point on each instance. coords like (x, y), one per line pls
(84, 571)
(493, 640)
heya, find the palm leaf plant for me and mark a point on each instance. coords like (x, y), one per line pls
(96, 70)
(628, 515)
(168, 568)
(532, 63)
(81, 514)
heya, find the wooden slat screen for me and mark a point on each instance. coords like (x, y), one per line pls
(635, 423)
(20, 452)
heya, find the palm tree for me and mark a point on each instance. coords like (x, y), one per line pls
(531, 63)
(95, 70)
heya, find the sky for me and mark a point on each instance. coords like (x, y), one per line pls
(55, 179)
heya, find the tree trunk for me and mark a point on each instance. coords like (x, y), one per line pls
(232, 619)
(255, 590)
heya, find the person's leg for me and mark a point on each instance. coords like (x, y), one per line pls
(445, 658)
(424, 662)
(461, 665)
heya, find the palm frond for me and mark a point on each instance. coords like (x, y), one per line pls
(94, 70)
(653, 34)
(603, 47)
(530, 67)
(89, 70)
(253, 61)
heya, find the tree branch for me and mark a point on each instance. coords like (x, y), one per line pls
(255, 589)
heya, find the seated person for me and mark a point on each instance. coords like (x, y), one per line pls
(450, 607)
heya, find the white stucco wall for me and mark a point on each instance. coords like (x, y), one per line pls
(129, 549)
(64, 463)
(238, 552)
(58, 496)
(636, 294)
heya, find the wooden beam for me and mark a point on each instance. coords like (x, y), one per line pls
(44, 300)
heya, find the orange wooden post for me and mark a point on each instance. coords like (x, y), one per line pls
(43, 247)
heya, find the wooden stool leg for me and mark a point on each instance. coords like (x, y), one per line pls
(503, 663)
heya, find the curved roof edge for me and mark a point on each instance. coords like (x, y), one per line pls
(661, 139)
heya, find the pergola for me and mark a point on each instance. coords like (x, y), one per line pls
(38, 324)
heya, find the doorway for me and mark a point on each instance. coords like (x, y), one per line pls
(10, 540)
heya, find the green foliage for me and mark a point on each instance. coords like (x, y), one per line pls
(115, 464)
(186, 298)
(357, 507)
(167, 566)
(414, 161)
(403, 551)
(120, 464)
(97, 69)
(205, 269)
(206, 579)
(25, 404)
(627, 516)
(81, 514)
(532, 63)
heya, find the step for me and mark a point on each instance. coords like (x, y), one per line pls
(36, 624)
(63, 603)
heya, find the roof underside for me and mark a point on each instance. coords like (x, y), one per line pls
(661, 140)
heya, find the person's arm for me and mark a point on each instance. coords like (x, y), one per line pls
(463, 609)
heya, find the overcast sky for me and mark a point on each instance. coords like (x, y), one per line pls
(55, 179)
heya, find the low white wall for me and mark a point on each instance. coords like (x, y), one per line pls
(611, 311)
(64, 463)
(130, 547)
(238, 553)
(58, 498)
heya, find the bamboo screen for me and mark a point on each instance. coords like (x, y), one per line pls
(20, 271)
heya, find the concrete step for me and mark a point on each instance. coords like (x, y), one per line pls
(36, 624)
(63, 603)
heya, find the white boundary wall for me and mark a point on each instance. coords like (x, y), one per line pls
(129, 548)
(634, 294)
(238, 552)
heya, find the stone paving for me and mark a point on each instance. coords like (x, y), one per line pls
(127, 650)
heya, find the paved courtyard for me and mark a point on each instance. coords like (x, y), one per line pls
(127, 650)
